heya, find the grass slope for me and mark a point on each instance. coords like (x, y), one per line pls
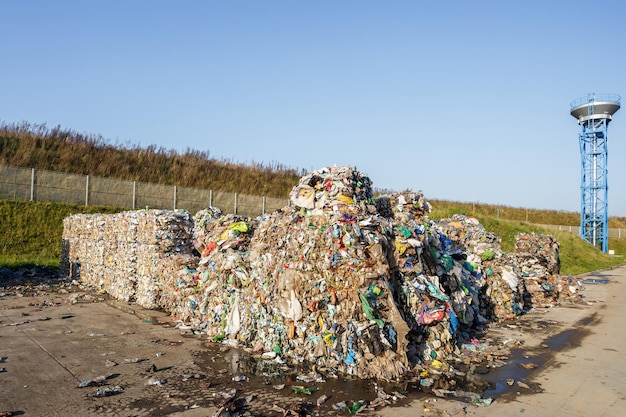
(576, 255)
(30, 234)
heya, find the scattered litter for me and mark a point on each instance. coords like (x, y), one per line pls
(299, 389)
(107, 391)
(99, 380)
(321, 400)
(156, 381)
(134, 360)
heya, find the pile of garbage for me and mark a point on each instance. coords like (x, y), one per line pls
(341, 280)
(307, 283)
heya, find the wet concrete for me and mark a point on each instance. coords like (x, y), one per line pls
(269, 385)
(595, 281)
(508, 381)
(179, 371)
(199, 374)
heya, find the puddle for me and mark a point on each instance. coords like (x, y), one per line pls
(271, 382)
(518, 368)
(522, 363)
(266, 383)
(595, 281)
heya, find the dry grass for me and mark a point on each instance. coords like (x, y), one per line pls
(36, 146)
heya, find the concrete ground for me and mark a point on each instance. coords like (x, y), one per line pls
(53, 339)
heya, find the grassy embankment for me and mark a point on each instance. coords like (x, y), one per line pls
(576, 255)
(30, 232)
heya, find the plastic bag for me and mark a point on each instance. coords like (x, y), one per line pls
(233, 322)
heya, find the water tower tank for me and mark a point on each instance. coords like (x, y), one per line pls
(595, 107)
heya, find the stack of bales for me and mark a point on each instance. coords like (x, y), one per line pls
(130, 255)
(538, 258)
(363, 286)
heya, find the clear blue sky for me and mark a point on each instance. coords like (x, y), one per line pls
(467, 101)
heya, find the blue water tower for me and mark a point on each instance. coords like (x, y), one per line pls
(594, 112)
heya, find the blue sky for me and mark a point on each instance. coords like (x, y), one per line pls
(467, 101)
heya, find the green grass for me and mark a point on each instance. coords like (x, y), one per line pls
(445, 208)
(576, 255)
(30, 234)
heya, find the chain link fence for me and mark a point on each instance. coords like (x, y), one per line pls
(613, 232)
(41, 185)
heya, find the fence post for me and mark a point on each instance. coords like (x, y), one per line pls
(86, 190)
(175, 197)
(134, 194)
(263, 206)
(210, 198)
(235, 208)
(32, 184)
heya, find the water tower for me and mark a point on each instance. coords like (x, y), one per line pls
(594, 112)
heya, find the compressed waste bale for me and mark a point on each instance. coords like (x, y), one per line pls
(126, 254)
(329, 277)
(222, 241)
(83, 239)
(505, 294)
(543, 248)
(537, 256)
(430, 317)
(448, 286)
(332, 186)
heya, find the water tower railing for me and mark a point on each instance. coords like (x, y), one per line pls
(595, 98)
